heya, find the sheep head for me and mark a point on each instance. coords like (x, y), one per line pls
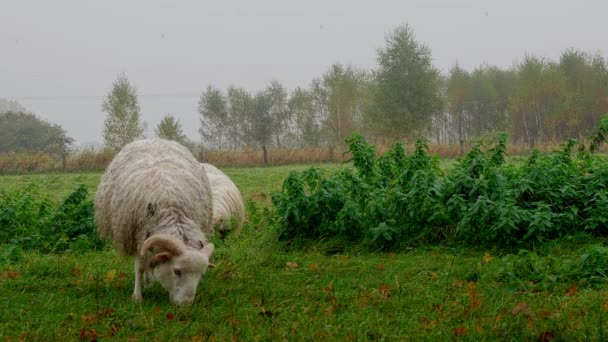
(177, 267)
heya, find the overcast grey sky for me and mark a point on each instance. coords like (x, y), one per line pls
(59, 58)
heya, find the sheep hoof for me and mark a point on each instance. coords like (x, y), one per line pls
(137, 298)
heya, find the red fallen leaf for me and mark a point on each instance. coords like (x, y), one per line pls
(90, 335)
(76, 271)
(519, 308)
(10, 275)
(546, 336)
(88, 319)
(112, 331)
(572, 290)
(169, 316)
(122, 275)
(156, 310)
(460, 331)
(292, 264)
(544, 314)
(313, 267)
(385, 290)
(380, 267)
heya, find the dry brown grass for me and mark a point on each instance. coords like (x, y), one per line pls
(94, 159)
(16, 162)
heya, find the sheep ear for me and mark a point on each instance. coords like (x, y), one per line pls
(163, 257)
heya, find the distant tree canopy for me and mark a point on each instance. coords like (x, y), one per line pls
(11, 106)
(24, 132)
(170, 128)
(536, 100)
(123, 123)
(407, 91)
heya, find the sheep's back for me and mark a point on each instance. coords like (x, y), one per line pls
(227, 199)
(148, 179)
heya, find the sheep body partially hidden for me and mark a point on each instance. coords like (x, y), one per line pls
(227, 200)
(154, 202)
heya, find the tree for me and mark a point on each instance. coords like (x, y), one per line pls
(345, 94)
(279, 111)
(261, 122)
(24, 132)
(170, 128)
(214, 117)
(407, 91)
(306, 121)
(11, 106)
(458, 95)
(240, 105)
(123, 123)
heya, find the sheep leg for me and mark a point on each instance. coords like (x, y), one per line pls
(139, 271)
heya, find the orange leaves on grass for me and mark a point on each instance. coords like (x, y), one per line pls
(460, 331)
(10, 275)
(520, 308)
(88, 335)
(426, 324)
(292, 264)
(384, 290)
(572, 290)
(474, 300)
(94, 317)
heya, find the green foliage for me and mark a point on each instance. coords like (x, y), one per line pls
(383, 201)
(25, 132)
(600, 135)
(170, 128)
(396, 200)
(530, 271)
(32, 221)
(407, 88)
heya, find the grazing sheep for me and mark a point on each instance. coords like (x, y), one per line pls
(154, 202)
(227, 200)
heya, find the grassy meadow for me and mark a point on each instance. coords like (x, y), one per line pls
(263, 289)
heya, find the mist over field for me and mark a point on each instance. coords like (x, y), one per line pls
(59, 59)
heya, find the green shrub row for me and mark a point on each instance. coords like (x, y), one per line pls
(29, 220)
(399, 199)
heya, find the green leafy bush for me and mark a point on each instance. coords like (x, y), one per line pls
(398, 199)
(31, 221)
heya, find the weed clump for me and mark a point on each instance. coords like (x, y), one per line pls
(31, 221)
(396, 199)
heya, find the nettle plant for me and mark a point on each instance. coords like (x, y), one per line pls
(386, 201)
(398, 199)
(31, 221)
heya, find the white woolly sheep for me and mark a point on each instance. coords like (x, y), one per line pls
(154, 202)
(227, 199)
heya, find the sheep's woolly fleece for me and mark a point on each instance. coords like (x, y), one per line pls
(227, 199)
(152, 186)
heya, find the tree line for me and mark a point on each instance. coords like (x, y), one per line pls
(405, 97)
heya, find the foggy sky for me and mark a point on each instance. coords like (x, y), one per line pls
(59, 58)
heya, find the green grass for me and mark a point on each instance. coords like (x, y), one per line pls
(262, 289)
